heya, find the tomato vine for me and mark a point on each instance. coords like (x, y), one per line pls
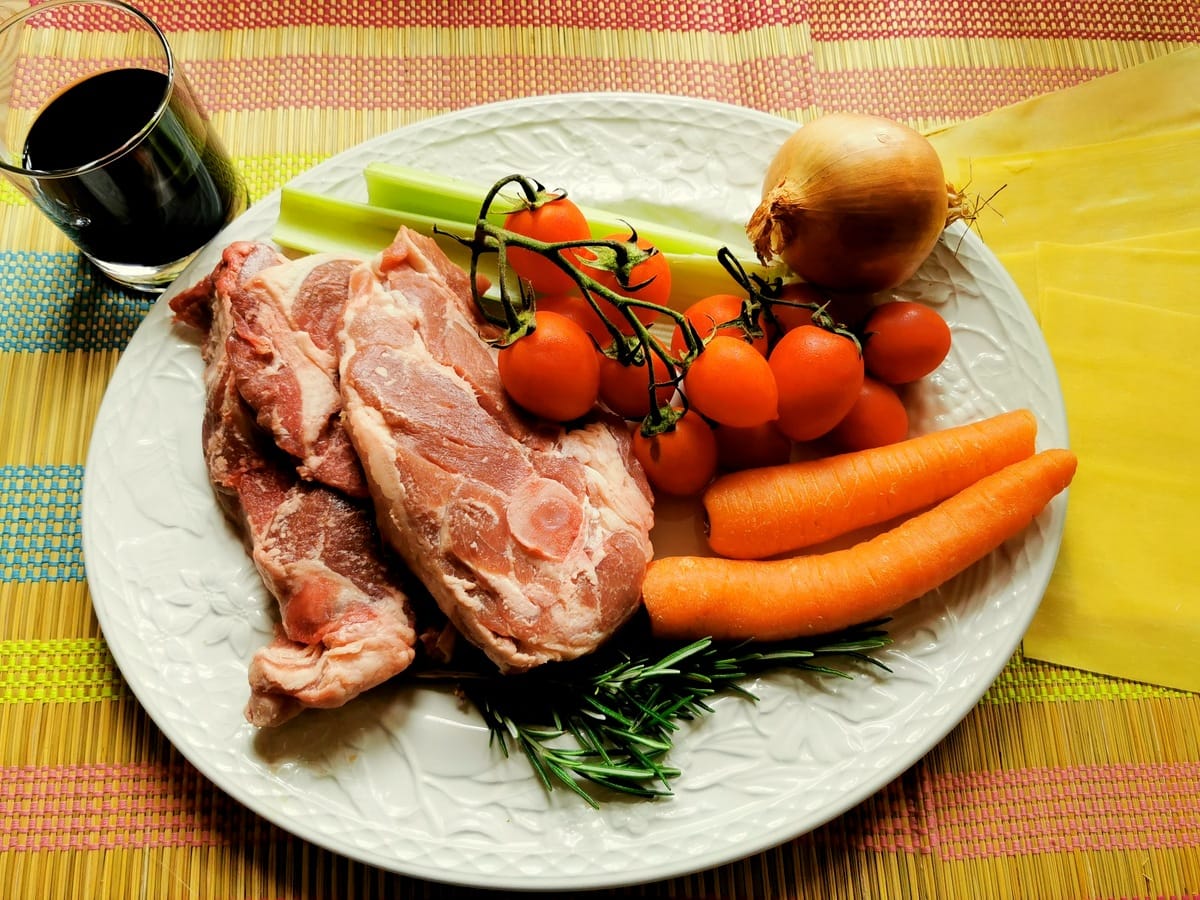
(603, 271)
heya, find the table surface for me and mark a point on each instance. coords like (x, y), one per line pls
(1059, 783)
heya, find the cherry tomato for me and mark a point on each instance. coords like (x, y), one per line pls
(819, 374)
(554, 371)
(752, 448)
(649, 280)
(878, 417)
(904, 341)
(552, 221)
(731, 383)
(626, 389)
(681, 461)
(578, 311)
(847, 309)
(707, 314)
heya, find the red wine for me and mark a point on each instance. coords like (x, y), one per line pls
(153, 204)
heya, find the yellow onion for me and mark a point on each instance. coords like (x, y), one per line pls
(853, 202)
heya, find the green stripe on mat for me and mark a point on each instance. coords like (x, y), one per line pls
(55, 301)
(39, 512)
(80, 669)
(53, 671)
(1031, 681)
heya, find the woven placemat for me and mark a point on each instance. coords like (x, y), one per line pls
(1058, 784)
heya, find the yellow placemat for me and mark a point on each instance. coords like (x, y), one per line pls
(1091, 192)
(1165, 279)
(1124, 599)
(1160, 95)
(1145, 268)
(1168, 240)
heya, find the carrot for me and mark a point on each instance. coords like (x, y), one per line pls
(756, 513)
(691, 597)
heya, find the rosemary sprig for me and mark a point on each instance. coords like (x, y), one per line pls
(608, 720)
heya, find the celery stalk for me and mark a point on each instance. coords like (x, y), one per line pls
(695, 276)
(401, 187)
(313, 223)
(426, 193)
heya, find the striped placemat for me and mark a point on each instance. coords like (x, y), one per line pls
(1058, 784)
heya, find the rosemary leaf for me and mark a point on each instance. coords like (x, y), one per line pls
(607, 722)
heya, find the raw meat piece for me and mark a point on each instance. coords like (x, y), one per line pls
(345, 624)
(284, 356)
(532, 539)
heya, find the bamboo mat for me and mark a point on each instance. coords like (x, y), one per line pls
(1058, 784)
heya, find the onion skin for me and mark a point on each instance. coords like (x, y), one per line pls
(853, 202)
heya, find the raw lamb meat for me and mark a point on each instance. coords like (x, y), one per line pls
(282, 349)
(533, 540)
(345, 624)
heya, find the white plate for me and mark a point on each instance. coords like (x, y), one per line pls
(404, 779)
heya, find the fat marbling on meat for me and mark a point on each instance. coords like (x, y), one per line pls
(345, 624)
(282, 349)
(532, 539)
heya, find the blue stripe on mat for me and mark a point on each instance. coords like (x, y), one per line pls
(55, 301)
(40, 533)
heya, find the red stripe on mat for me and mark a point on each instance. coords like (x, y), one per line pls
(1135, 20)
(939, 92)
(442, 83)
(1116, 20)
(92, 807)
(958, 816)
(366, 83)
(1032, 811)
(642, 15)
